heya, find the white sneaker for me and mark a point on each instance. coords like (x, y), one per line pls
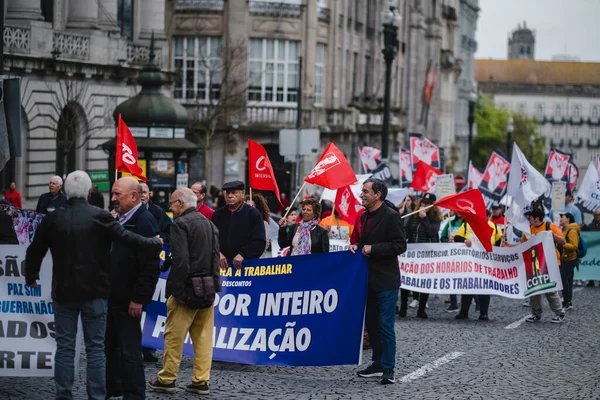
(414, 304)
(526, 303)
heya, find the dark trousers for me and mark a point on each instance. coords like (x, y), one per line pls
(380, 322)
(124, 364)
(416, 296)
(567, 270)
(467, 299)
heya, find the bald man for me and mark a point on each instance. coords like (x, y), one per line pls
(133, 278)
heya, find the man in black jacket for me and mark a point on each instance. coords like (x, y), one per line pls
(241, 227)
(133, 278)
(382, 240)
(183, 315)
(54, 199)
(79, 237)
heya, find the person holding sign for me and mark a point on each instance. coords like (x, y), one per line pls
(382, 240)
(80, 279)
(307, 236)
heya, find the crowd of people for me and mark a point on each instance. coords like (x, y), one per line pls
(106, 267)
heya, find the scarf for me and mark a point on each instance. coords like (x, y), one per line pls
(304, 239)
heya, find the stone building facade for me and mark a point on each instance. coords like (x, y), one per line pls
(76, 61)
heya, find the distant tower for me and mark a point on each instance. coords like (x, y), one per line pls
(521, 44)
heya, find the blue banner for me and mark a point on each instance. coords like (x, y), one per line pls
(589, 266)
(294, 311)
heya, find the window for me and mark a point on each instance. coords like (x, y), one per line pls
(576, 111)
(593, 156)
(48, 10)
(367, 76)
(557, 132)
(354, 75)
(357, 10)
(125, 18)
(539, 110)
(197, 60)
(320, 74)
(522, 108)
(273, 67)
(574, 156)
(557, 111)
(576, 132)
(594, 112)
(594, 134)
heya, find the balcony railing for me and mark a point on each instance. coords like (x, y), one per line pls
(324, 14)
(139, 54)
(199, 5)
(71, 45)
(17, 39)
(275, 9)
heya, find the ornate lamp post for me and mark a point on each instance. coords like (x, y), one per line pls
(391, 21)
(509, 131)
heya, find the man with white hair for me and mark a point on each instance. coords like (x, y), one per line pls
(190, 309)
(80, 279)
(54, 199)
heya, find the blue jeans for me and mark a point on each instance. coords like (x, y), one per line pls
(380, 323)
(93, 318)
(124, 363)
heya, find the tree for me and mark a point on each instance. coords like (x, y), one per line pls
(492, 122)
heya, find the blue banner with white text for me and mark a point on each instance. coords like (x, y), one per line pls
(294, 311)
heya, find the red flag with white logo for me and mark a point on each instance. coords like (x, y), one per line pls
(424, 177)
(126, 159)
(260, 170)
(471, 207)
(346, 204)
(474, 178)
(423, 149)
(332, 171)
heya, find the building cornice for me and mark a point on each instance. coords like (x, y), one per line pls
(492, 87)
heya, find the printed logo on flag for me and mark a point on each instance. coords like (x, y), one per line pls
(598, 185)
(536, 269)
(523, 175)
(329, 161)
(466, 205)
(345, 201)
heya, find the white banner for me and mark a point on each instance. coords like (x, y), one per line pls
(27, 330)
(530, 268)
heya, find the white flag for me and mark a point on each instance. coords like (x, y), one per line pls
(525, 183)
(589, 189)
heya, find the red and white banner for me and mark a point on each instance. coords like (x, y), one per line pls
(332, 170)
(557, 166)
(346, 204)
(474, 178)
(406, 171)
(126, 159)
(573, 176)
(424, 178)
(260, 170)
(369, 157)
(495, 176)
(421, 149)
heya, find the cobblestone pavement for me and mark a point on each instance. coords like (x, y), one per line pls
(484, 360)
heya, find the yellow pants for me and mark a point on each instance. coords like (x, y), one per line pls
(199, 323)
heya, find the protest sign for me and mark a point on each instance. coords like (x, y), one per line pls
(452, 268)
(27, 330)
(589, 266)
(444, 185)
(281, 311)
(557, 195)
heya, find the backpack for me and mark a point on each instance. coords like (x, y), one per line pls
(582, 248)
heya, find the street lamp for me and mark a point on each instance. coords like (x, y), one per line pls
(471, 121)
(531, 145)
(509, 131)
(390, 20)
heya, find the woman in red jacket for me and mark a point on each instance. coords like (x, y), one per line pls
(13, 196)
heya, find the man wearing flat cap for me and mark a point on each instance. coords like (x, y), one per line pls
(241, 227)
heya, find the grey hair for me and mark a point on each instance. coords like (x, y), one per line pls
(188, 197)
(57, 178)
(77, 184)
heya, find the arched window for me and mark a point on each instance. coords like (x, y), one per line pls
(576, 111)
(557, 111)
(539, 110)
(594, 112)
(70, 132)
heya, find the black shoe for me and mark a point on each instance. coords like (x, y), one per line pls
(388, 377)
(477, 307)
(402, 312)
(198, 388)
(590, 284)
(462, 315)
(483, 317)
(422, 314)
(371, 371)
(149, 357)
(157, 386)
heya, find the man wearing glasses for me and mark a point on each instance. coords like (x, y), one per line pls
(241, 228)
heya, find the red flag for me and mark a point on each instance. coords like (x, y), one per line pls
(126, 159)
(346, 203)
(471, 207)
(423, 180)
(260, 170)
(332, 171)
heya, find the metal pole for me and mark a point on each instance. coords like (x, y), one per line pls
(298, 125)
(385, 137)
(470, 121)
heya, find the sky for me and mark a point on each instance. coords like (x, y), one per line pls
(561, 27)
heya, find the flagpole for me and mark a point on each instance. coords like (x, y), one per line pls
(294, 201)
(251, 194)
(418, 211)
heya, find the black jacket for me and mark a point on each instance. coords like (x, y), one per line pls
(387, 238)
(319, 238)
(422, 230)
(79, 237)
(48, 200)
(134, 273)
(7, 229)
(162, 219)
(195, 251)
(241, 232)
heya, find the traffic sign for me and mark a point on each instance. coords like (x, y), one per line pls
(459, 181)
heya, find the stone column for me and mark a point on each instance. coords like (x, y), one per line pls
(24, 9)
(83, 14)
(107, 15)
(152, 19)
